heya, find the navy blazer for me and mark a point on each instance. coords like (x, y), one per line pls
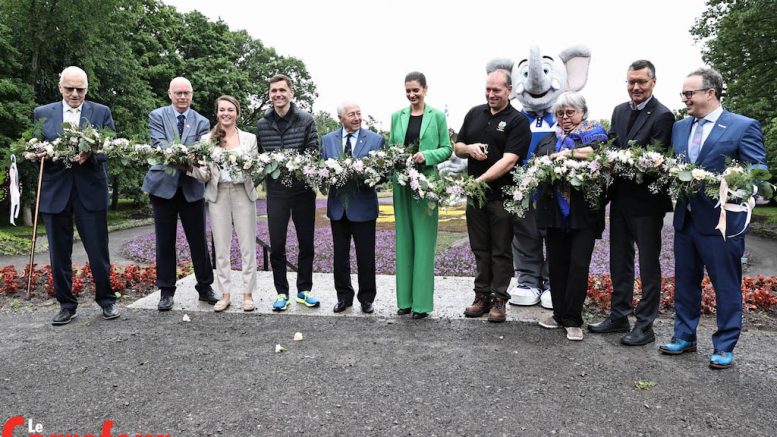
(161, 180)
(733, 136)
(363, 202)
(88, 182)
(653, 124)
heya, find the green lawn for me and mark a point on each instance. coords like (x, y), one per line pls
(770, 212)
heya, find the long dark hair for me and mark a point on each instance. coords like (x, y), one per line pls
(218, 132)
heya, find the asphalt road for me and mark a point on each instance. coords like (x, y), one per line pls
(219, 375)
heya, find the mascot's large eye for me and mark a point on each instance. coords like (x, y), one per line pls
(546, 68)
(524, 71)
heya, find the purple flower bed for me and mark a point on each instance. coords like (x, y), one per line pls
(454, 261)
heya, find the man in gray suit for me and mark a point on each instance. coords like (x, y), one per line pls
(173, 193)
(636, 214)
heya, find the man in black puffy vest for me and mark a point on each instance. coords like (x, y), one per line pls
(285, 126)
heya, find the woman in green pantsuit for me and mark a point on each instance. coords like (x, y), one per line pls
(416, 227)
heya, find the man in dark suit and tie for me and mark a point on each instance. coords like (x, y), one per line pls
(707, 138)
(636, 214)
(80, 190)
(173, 193)
(352, 210)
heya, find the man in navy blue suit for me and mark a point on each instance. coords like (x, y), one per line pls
(174, 194)
(707, 138)
(352, 211)
(80, 190)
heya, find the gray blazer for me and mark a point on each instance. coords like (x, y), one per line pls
(163, 181)
(211, 174)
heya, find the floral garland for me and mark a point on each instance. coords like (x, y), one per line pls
(69, 146)
(441, 190)
(587, 175)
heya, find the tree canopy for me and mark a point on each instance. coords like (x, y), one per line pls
(738, 38)
(131, 49)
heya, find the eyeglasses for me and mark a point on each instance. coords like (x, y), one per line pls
(688, 94)
(182, 93)
(70, 89)
(638, 82)
(568, 113)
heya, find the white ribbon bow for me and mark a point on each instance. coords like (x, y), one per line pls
(733, 207)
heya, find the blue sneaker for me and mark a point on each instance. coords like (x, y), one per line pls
(677, 347)
(281, 302)
(307, 299)
(721, 360)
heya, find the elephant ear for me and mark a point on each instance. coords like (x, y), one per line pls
(499, 64)
(576, 59)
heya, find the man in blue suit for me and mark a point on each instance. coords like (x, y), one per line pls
(80, 190)
(352, 210)
(173, 193)
(707, 138)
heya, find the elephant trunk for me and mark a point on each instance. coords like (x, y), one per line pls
(538, 82)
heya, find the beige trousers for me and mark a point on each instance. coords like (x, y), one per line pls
(233, 206)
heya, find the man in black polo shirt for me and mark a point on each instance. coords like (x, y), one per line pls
(494, 136)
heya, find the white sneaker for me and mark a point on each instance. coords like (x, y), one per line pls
(545, 300)
(549, 323)
(524, 296)
(574, 333)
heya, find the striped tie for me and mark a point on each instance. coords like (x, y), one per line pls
(695, 147)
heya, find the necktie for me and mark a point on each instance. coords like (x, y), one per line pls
(695, 146)
(632, 118)
(73, 117)
(347, 147)
(181, 119)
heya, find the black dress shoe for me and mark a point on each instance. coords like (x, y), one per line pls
(340, 306)
(639, 337)
(609, 325)
(110, 312)
(63, 317)
(208, 297)
(165, 303)
(403, 311)
(420, 315)
(367, 308)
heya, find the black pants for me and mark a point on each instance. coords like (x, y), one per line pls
(93, 228)
(166, 213)
(301, 207)
(363, 234)
(625, 230)
(490, 231)
(569, 257)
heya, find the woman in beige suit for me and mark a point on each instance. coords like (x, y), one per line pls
(231, 198)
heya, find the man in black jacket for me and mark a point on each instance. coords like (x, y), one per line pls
(636, 214)
(285, 126)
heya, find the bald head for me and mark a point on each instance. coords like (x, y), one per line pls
(180, 93)
(73, 85)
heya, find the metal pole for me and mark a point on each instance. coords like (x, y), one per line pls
(34, 231)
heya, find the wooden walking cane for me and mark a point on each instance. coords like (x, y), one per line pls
(34, 230)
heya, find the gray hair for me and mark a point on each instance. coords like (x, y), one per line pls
(341, 107)
(573, 99)
(644, 63)
(711, 79)
(74, 71)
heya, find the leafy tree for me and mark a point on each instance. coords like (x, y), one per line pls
(325, 123)
(739, 37)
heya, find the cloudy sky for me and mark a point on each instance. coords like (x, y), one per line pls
(362, 50)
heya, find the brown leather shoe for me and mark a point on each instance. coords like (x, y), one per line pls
(497, 313)
(480, 306)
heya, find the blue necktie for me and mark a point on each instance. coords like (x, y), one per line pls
(181, 119)
(695, 146)
(347, 148)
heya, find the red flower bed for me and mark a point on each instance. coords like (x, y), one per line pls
(758, 293)
(128, 279)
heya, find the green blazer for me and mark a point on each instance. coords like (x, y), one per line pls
(434, 141)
